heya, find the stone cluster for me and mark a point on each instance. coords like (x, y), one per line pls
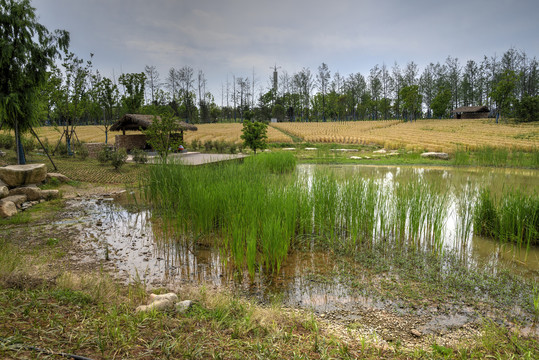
(167, 301)
(19, 187)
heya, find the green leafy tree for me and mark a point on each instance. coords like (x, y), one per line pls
(411, 101)
(160, 135)
(254, 135)
(27, 50)
(527, 109)
(503, 93)
(440, 103)
(133, 84)
(108, 98)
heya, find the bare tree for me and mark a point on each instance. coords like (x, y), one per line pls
(152, 80)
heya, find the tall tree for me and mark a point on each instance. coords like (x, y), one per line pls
(152, 81)
(133, 97)
(322, 79)
(28, 49)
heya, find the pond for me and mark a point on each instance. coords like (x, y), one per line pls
(126, 236)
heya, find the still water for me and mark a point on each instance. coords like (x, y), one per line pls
(125, 236)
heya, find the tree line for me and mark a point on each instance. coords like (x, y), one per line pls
(35, 89)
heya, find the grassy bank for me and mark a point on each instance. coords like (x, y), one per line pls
(49, 302)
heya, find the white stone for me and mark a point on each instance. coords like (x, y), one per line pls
(311, 149)
(183, 306)
(355, 157)
(381, 151)
(435, 155)
(289, 149)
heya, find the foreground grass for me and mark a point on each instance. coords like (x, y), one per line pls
(47, 303)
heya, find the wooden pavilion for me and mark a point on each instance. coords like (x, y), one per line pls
(139, 122)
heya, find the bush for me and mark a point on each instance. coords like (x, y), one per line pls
(105, 155)
(81, 151)
(220, 146)
(118, 158)
(7, 141)
(208, 145)
(233, 147)
(139, 156)
(195, 144)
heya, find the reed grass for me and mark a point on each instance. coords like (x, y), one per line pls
(513, 217)
(256, 212)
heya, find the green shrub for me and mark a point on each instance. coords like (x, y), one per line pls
(81, 151)
(104, 155)
(195, 144)
(118, 158)
(139, 156)
(233, 147)
(208, 145)
(220, 146)
(7, 141)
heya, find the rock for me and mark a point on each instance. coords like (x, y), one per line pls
(156, 305)
(289, 149)
(435, 155)
(58, 176)
(7, 208)
(169, 296)
(16, 199)
(159, 302)
(32, 192)
(345, 150)
(381, 151)
(183, 306)
(311, 149)
(2, 154)
(355, 157)
(50, 194)
(415, 332)
(4, 190)
(18, 175)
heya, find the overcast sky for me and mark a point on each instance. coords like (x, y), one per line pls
(231, 37)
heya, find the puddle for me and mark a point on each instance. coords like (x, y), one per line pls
(124, 238)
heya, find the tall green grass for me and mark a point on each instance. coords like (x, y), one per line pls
(257, 211)
(497, 157)
(513, 217)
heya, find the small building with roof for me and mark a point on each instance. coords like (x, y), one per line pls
(471, 112)
(140, 122)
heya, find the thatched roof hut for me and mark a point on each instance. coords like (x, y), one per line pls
(136, 122)
(142, 122)
(471, 112)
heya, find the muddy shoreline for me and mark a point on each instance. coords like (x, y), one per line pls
(386, 321)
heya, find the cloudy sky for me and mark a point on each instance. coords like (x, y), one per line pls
(233, 37)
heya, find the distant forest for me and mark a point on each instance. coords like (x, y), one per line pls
(507, 85)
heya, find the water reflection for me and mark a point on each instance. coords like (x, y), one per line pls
(128, 239)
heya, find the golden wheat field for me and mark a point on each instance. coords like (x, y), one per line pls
(226, 132)
(433, 135)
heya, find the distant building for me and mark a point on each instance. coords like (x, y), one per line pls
(471, 112)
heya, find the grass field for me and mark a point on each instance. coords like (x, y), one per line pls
(432, 135)
(229, 132)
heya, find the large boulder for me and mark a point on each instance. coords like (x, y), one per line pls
(19, 175)
(32, 192)
(436, 155)
(7, 209)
